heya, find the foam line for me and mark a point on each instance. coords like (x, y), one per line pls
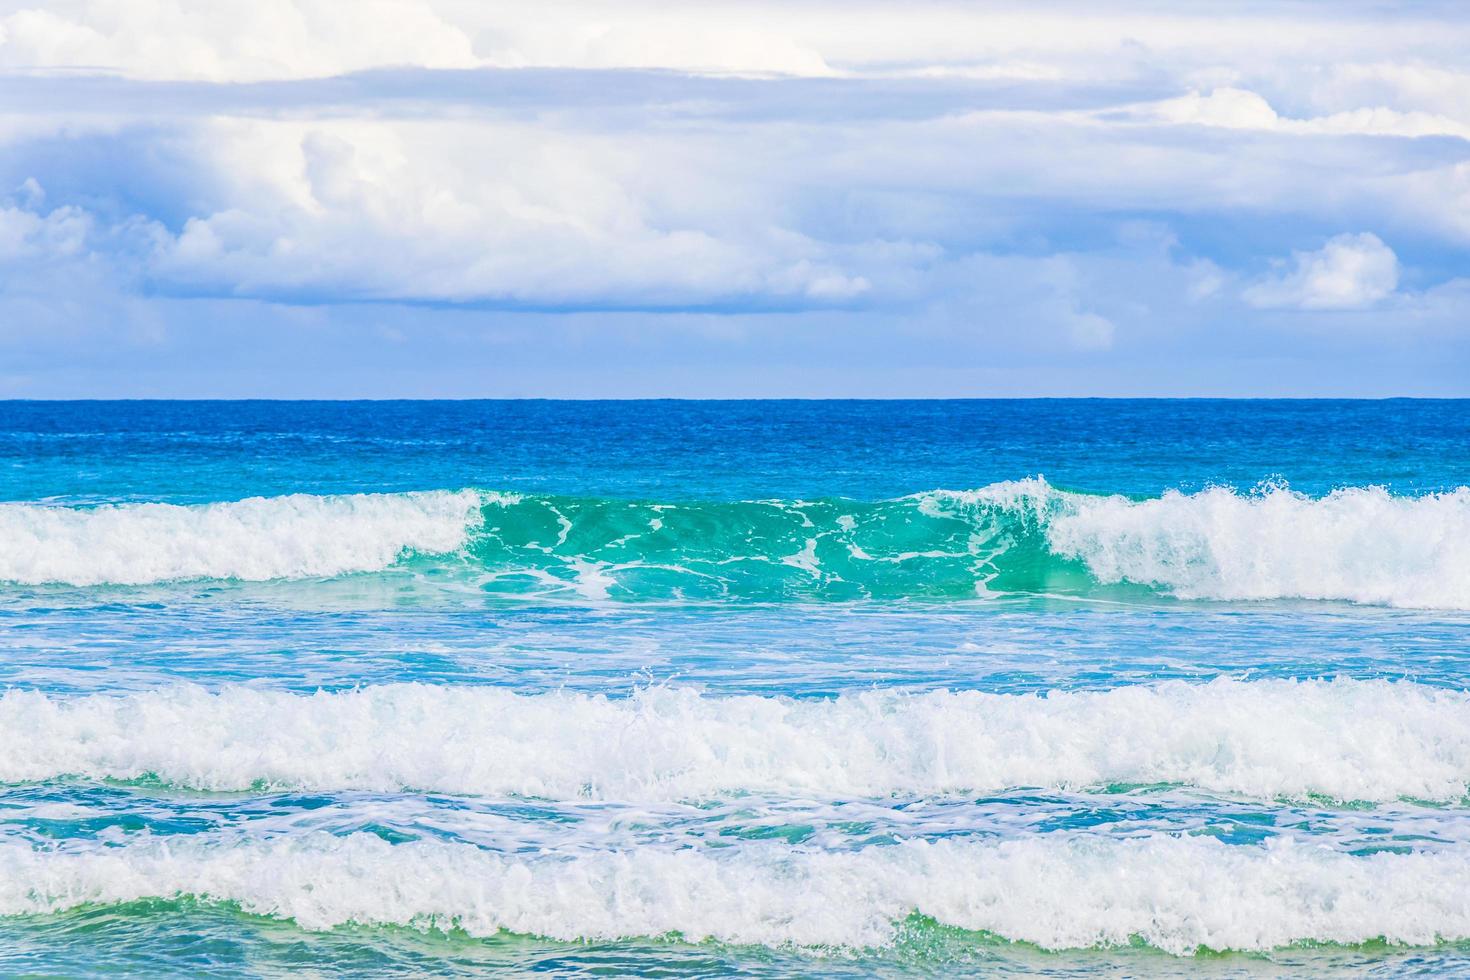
(1344, 739)
(1179, 894)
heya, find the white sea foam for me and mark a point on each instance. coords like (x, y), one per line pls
(296, 536)
(1360, 544)
(1345, 739)
(1176, 893)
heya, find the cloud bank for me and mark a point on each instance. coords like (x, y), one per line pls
(471, 199)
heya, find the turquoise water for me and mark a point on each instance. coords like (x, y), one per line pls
(1067, 688)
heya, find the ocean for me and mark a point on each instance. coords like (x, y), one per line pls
(1055, 688)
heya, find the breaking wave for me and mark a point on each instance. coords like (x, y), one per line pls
(1358, 544)
(1343, 739)
(297, 536)
(1179, 894)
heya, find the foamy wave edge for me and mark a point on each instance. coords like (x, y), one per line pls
(1359, 544)
(257, 539)
(1179, 894)
(1341, 739)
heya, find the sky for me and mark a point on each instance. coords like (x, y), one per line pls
(446, 198)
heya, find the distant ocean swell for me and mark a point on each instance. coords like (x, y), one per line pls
(1362, 545)
(1058, 891)
(1268, 739)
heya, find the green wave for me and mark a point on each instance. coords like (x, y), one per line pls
(931, 546)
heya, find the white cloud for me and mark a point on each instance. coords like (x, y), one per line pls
(442, 211)
(1231, 108)
(1348, 272)
(484, 210)
(237, 40)
(231, 40)
(685, 201)
(1411, 84)
(967, 184)
(29, 234)
(559, 209)
(1234, 108)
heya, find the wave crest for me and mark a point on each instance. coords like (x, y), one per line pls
(1361, 544)
(1358, 544)
(297, 536)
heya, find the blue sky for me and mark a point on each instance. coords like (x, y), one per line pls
(444, 198)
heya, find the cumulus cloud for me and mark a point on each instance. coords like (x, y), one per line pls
(1348, 272)
(440, 211)
(58, 233)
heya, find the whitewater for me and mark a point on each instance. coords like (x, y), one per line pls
(1348, 740)
(764, 689)
(1179, 895)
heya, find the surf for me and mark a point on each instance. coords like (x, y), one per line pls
(1178, 894)
(1358, 544)
(256, 539)
(1346, 740)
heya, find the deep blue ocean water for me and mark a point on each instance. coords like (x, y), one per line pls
(1062, 688)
